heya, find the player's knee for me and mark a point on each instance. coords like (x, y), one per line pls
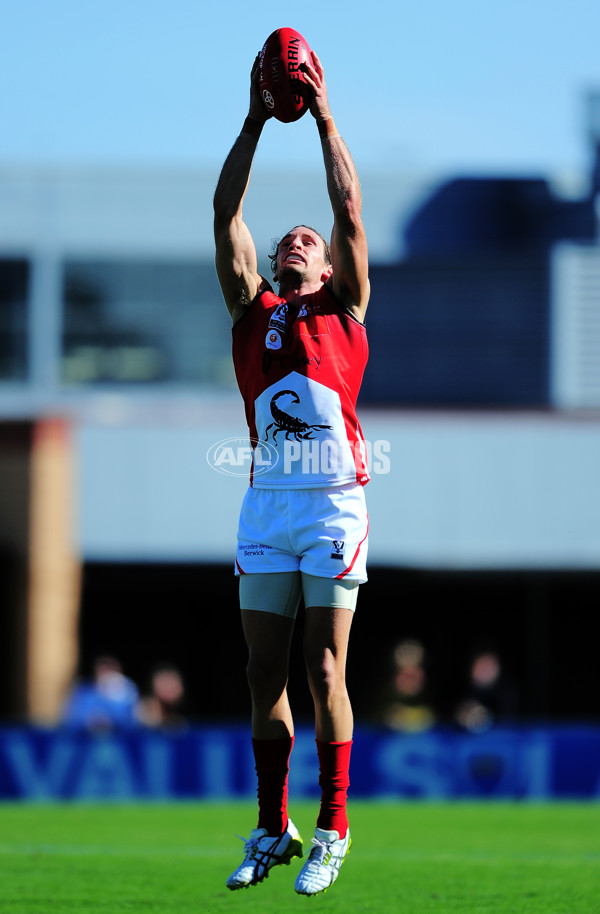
(266, 678)
(325, 677)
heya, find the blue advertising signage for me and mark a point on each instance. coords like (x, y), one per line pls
(217, 763)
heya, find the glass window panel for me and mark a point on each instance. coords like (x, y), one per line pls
(140, 322)
(14, 290)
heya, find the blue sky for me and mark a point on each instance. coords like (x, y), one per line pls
(430, 86)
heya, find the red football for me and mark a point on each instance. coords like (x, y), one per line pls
(282, 85)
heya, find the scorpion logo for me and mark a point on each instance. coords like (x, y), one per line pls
(290, 425)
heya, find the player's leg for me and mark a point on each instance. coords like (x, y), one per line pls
(327, 633)
(326, 636)
(268, 633)
(268, 639)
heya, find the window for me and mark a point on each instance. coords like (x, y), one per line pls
(14, 289)
(146, 321)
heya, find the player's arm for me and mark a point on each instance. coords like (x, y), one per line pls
(349, 253)
(236, 261)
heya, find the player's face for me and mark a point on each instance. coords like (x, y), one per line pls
(301, 252)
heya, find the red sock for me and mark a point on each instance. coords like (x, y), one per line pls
(271, 757)
(334, 780)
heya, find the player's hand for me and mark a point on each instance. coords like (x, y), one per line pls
(315, 77)
(258, 110)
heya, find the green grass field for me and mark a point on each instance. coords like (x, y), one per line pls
(410, 858)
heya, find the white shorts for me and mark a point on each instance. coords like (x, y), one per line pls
(323, 532)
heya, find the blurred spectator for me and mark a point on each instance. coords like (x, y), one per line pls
(107, 702)
(490, 697)
(162, 706)
(405, 703)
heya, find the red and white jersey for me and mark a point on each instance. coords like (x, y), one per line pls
(299, 370)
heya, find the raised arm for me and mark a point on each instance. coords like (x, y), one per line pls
(236, 260)
(349, 253)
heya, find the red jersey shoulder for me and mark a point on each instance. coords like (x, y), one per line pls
(323, 301)
(277, 323)
(269, 299)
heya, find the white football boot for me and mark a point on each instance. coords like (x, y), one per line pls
(263, 852)
(324, 862)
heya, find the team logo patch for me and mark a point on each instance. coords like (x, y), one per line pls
(273, 340)
(277, 327)
(278, 320)
(338, 550)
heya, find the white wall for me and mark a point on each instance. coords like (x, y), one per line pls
(463, 491)
(137, 210)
